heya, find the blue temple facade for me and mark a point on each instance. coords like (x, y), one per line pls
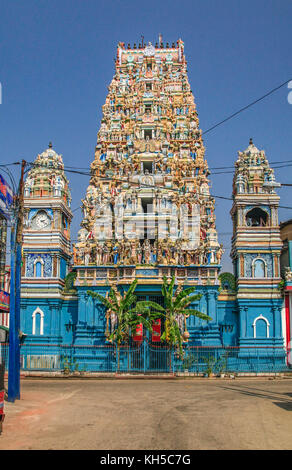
(148, 214)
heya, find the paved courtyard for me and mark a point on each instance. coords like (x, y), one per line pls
(177, 414)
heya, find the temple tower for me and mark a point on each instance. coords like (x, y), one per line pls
(46, 246)
(148, 211)
(256, 248)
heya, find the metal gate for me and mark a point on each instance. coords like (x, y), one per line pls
(144, 357)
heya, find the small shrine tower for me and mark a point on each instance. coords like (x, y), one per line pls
(46, 246)
(256, 248)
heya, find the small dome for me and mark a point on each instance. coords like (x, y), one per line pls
(46, 178)
(252, 149)
(50, 155)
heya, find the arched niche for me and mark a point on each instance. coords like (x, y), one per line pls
(38, 322)
(257, 217)
(38, 268)
(261, 327)
(259, 268)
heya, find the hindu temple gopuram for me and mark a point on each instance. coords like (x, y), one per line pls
(148, 209)
(148, 213)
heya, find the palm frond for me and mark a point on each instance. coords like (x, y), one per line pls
(150, 304)
(138, 311)
(112, 295)
(165, 293)
(128, 301)
(185, 301)
(196, 313)
(100, 297)
(171, 286)
(131, 289)
(185, 293)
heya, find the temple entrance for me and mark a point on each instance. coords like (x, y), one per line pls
(142, 357)
(154, 337)
(147, 353)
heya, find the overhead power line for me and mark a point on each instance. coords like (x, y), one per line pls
(246, 107)
(206, 131)
(80, 170)
(288, 163)
(150, 186)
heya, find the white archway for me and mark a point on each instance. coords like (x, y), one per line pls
(261, 317)
(37, 261)
(38, 311)
(259, 266)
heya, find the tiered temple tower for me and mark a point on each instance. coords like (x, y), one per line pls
(256, 249)
(148, 211)
(46, 247)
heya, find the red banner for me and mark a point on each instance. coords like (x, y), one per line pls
(138, 336)
(156, 330)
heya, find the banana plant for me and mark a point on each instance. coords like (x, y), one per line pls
(176, 308)
(128, 314)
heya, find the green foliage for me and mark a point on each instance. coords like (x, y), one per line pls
(227, 279)
(281, 285)
(69, 281)
(216, 365)
(69, 365)
(189, 361)
(176, 304)
(129, 313)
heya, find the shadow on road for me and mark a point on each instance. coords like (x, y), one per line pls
(283, 401)
(286, 406)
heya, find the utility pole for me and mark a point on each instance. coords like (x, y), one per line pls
(15, 285)
(12, 327)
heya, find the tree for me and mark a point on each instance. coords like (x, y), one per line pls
(176, 310)
(125, 314)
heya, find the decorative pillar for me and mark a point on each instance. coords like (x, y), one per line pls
(243, 322)
(55, 263)
(82, 308)
(205, 308)
(54, 320)
(81, 333)
(241, 265)
(214, 297)
(23, 267)
(240, 322)
(58, 265)
(277, 322)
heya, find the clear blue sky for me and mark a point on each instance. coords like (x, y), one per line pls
(57, 61)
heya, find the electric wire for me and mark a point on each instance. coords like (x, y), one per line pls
(76, 170)
(32, 164)
(246, 107)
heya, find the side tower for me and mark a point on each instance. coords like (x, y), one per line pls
(256, 248)
(46, 247)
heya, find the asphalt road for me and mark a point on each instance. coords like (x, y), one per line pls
(176, 414)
